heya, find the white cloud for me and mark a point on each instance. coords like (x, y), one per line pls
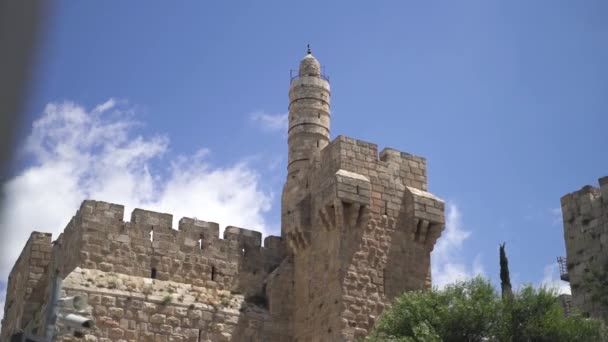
(447, 266)
(271, 122)
(556, 214)
(78, 154)
(551, 279)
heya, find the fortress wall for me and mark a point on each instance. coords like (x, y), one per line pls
(585, 217)
(280, 291)
(97, 238)
(137, 309)
(317, 289)
(27, 273)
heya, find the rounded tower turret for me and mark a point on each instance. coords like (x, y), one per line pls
(309, 115)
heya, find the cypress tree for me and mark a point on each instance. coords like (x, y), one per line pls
(505, 279)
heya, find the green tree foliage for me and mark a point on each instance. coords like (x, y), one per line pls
(505, 278)
(473, 311)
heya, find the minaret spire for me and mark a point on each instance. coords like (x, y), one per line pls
(308, 130)
(309, 114)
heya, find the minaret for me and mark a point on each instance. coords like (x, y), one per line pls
(308, 131)
(308, 115)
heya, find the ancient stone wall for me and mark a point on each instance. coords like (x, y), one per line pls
(585, 215)
(127, 308)
(98, 242)
(23, 280)
(148, 247)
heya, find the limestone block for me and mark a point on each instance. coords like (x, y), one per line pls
(151, 218)
(243, 236)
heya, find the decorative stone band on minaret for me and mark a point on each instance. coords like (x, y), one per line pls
(309, 115)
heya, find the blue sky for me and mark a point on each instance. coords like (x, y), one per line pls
(506, 100)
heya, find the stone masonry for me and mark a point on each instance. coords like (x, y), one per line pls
(585, 215)
(358, 229)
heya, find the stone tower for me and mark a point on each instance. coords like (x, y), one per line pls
(359, 225)
(309, 118)
(308, 115)
(585, 215)
(358, 228)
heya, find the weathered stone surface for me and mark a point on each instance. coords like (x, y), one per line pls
(585, 218)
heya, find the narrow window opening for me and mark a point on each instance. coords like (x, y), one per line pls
(200, 242)
(317, 143)
(357, 189)
(152, 234)
(243, 251)
(153, 273)
(200, 333)
(213, 273)
(319, 115)
(385, 208)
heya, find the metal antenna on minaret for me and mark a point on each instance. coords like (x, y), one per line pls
(308, 49)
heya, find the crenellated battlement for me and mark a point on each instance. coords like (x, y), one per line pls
(97, 238)
(148, 246)
(362, 157)
(349, 181)
(585, 204)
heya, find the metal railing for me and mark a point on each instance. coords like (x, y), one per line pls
(295, 74)
(563, 268)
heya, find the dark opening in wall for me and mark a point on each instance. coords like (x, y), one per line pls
(259, 299)
(153, 273)
(213, 273)
(243, 251)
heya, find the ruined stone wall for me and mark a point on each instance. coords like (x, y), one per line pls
(585, 215)
(25, 276)
(361, 227)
